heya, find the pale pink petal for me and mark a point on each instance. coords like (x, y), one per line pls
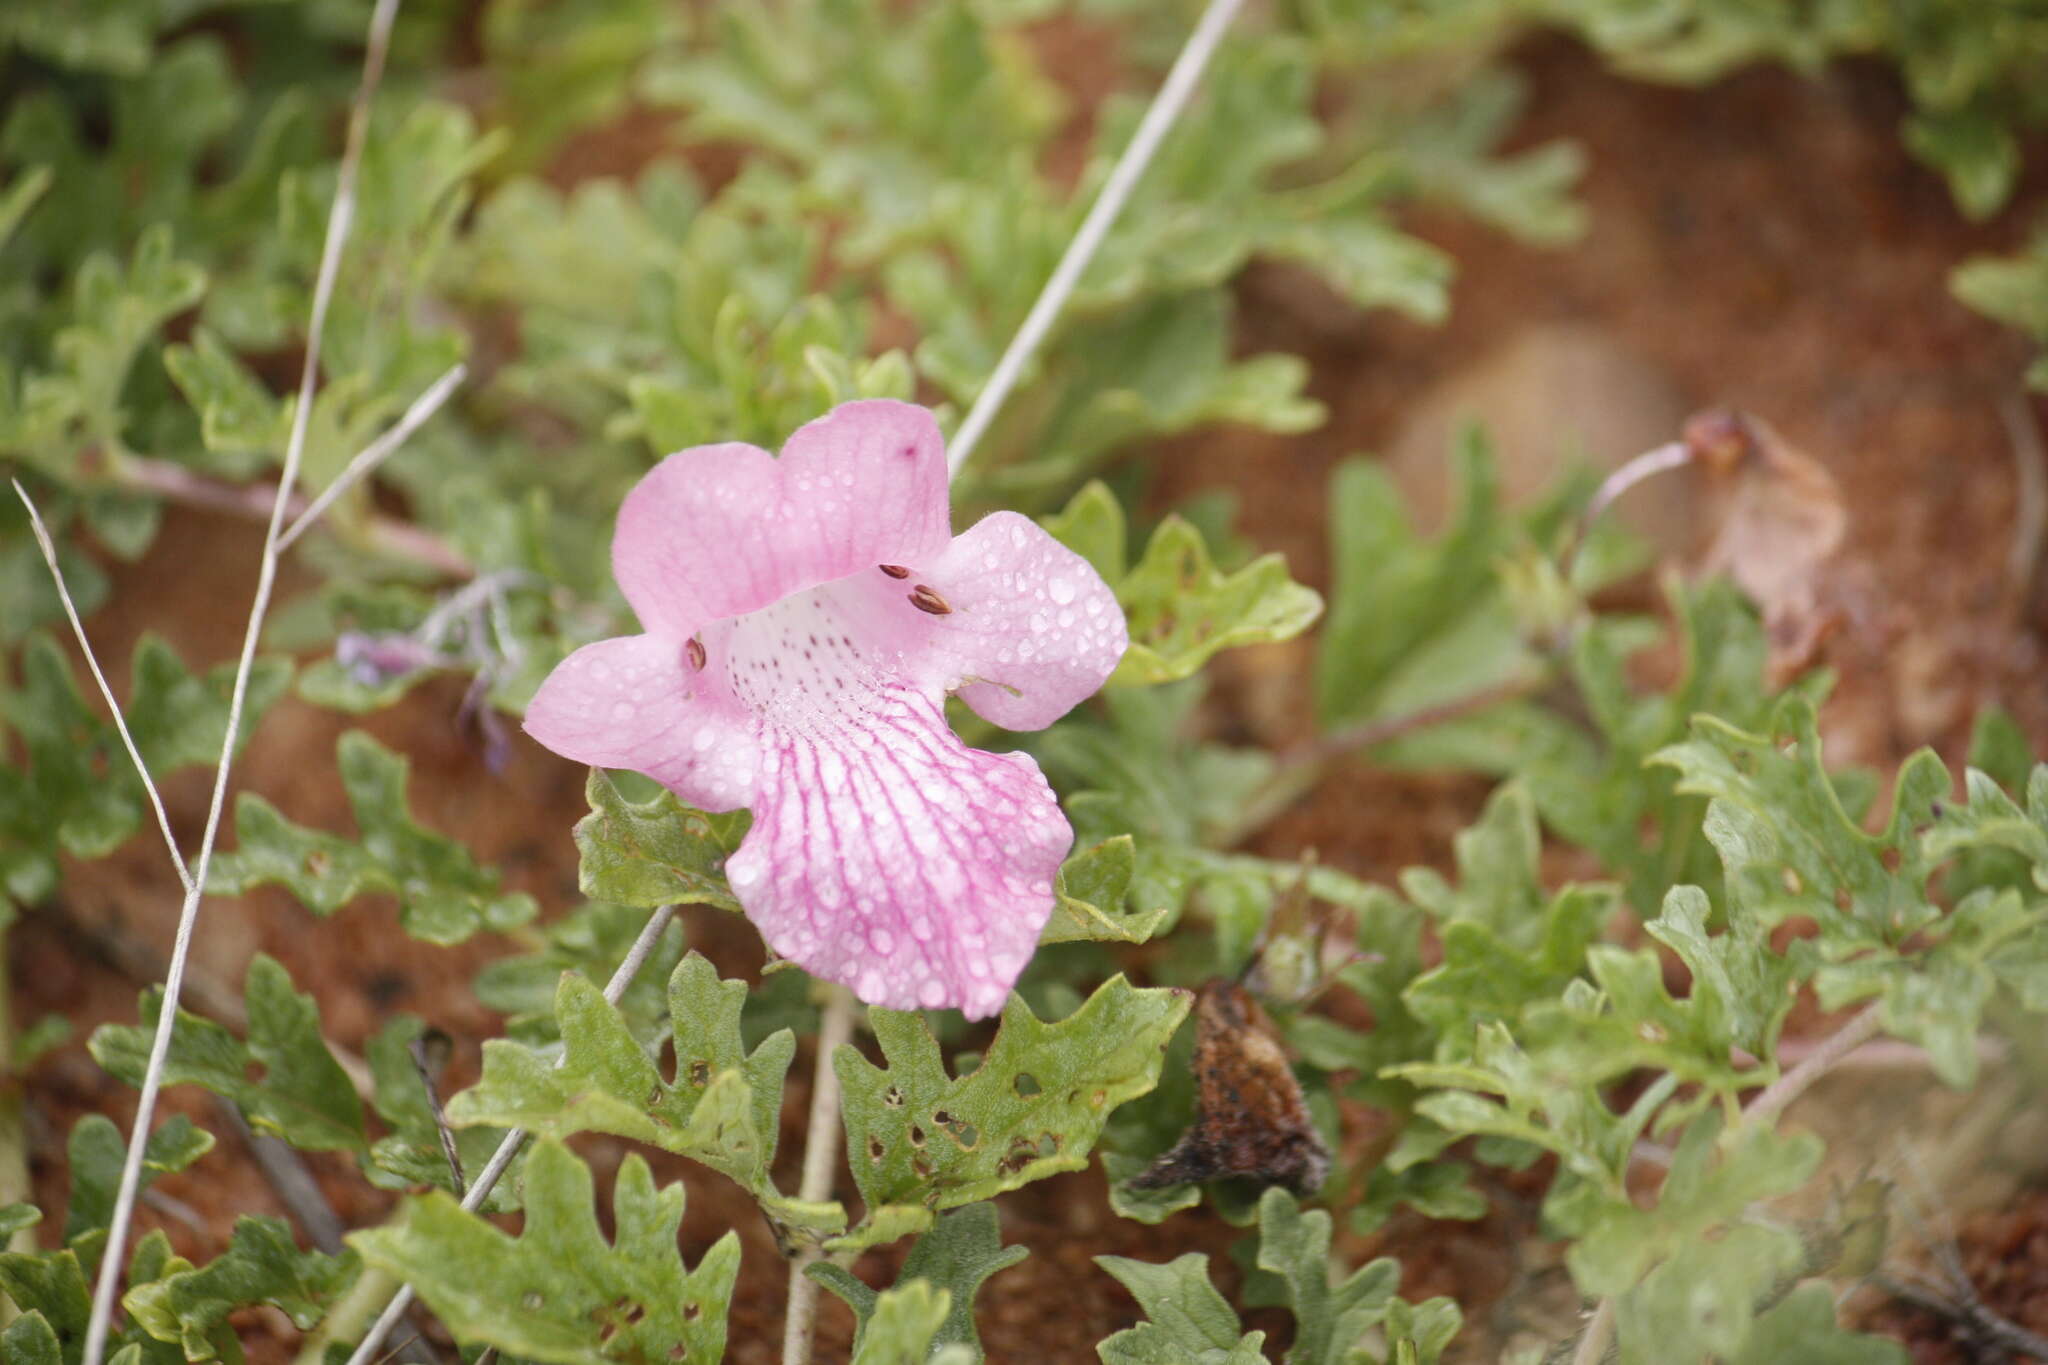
(1029, 628)
(636, 702)
(722, 530)
(889, 857)
(1031, 621)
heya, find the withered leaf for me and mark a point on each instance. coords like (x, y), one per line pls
(1782, 525)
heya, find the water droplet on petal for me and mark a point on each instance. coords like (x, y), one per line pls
(882, 941)
(1062, 590)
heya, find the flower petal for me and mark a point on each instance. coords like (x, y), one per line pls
(721, 530)
(1031, 621)
(889, 857)
(635, 702)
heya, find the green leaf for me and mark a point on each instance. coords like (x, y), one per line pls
(1092, 526)
(1188, 1322)
(721, 1109)
(956, 1256)
(1803, 1328)
(79, 792)
(905, 1328)
(1033, 1107)
(1713, 1182)
(1183, 610)
(656, 852)
(29, 1340)
(1091, 898)
(261, 1265)
(1413, 621)
(444, 896)
(302, 1094)
(2012, 290)
(1701, 1301)
(1328, 1317)
(20, 196)
(96, 1154)
(1976, 152)
(560, 1293)
(1787, 844)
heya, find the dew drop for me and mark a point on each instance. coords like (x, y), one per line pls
(1062, 590)
(882, 941)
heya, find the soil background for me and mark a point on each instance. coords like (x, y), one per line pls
(1764, 242)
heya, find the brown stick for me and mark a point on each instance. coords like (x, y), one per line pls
(1295, 771)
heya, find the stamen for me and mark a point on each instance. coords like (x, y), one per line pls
(695, 649)
(924, 599)
(894, 570)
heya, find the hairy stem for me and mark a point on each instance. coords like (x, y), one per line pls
(821, 1152)
(1777, 1096)
(1300, 768)
(385, 535)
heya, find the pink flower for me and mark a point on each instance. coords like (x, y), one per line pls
(806, 617)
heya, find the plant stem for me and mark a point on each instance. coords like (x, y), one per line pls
(339, 216)
(1777, 1096)
(1300, 768)
(387, 536)
(821, 1152)
(1159, 119)
(1599, 1333)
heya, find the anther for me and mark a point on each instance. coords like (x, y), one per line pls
(695, 650)
(894, 570)
(924, 599)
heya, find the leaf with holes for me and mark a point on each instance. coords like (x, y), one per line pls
(1032, 1108)
(443, 894)
(302, 1096)
(655, 852)
(559, 1293)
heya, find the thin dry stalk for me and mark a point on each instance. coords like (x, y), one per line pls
(338, 220)
(1165, 111)
(92, 661)
(821, 1151)
(370, 456)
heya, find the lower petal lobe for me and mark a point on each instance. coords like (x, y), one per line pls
(888, 856)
